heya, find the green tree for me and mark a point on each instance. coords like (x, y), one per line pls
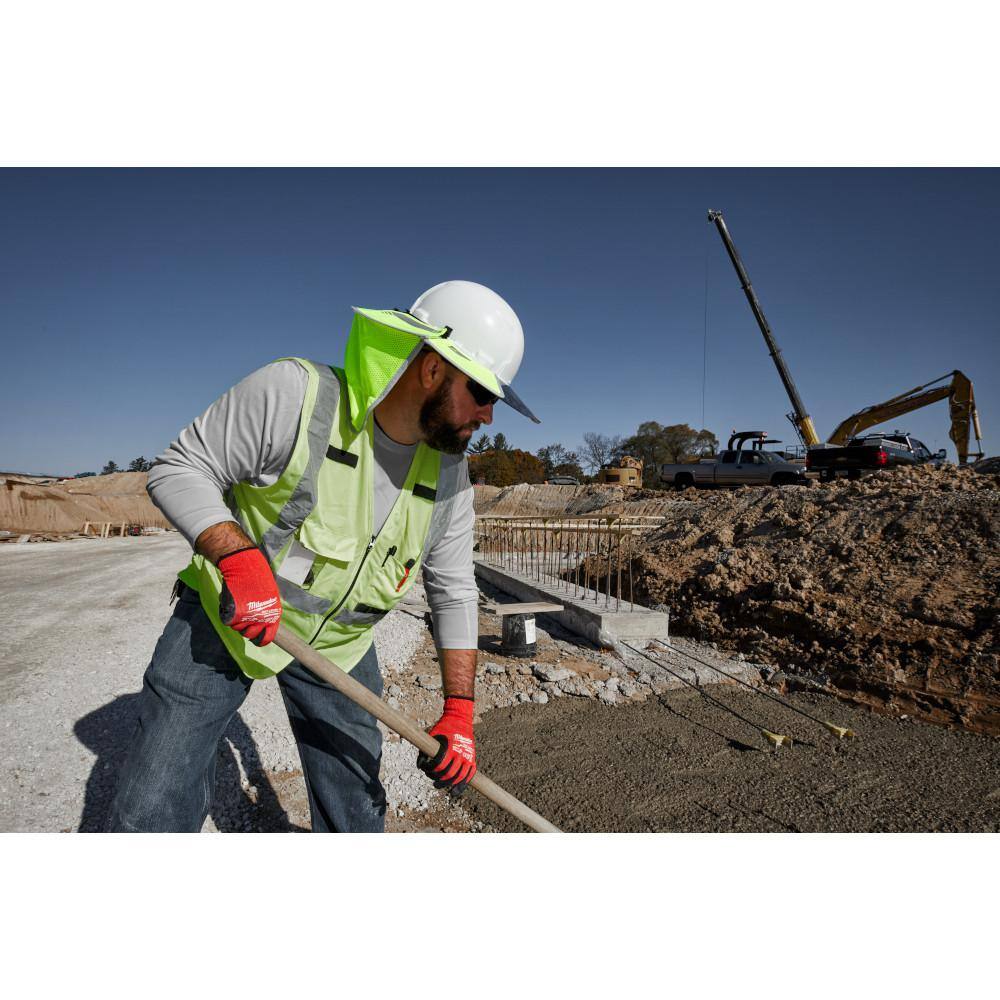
(706, 444)
(139, 464)
(558, 461)
(570, 466)
(84, 475)
(500, 442)
(110, 466)
(504, 468)
(481, 444)
(657, 444)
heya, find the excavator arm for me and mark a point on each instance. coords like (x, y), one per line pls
(961, 402)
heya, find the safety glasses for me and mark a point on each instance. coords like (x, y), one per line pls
(480, 394)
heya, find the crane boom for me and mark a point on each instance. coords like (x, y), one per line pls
(961, 403)
(800, 419)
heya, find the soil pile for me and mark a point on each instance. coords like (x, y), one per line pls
(526, 499)
(483, 497)
(65, 506)
(887, 586)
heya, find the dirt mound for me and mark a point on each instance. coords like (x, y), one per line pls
(66, 506)
(483, 497)
(526, 499)
(114, 484)
(888, 585)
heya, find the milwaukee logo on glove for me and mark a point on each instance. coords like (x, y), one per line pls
(264, 611)
(464, 747)
(249, 602)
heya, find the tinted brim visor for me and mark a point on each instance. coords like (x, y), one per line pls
(480, 374)
(513, 400)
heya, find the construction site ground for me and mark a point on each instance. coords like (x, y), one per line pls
(590, 740)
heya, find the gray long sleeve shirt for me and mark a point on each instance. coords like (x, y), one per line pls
(248, 435)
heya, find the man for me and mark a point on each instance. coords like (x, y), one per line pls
(312, 497)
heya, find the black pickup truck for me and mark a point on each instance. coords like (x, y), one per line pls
(870, 452)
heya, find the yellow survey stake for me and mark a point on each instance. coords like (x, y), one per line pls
(839, 731)
(775, 740)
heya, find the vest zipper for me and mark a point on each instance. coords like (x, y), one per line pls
(329, 614)
(391, 552)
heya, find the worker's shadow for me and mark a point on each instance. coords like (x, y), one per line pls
(107, 732)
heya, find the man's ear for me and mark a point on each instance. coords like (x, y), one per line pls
(432, 369)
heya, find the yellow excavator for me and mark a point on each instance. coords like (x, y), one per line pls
(957, 390)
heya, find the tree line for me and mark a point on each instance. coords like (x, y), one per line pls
(140, 464)
(497, 463)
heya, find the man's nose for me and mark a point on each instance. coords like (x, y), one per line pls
(488, 414)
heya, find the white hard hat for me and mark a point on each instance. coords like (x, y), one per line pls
(483, 330)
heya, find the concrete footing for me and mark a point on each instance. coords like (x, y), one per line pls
(588, 613)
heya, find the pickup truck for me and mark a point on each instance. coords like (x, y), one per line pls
(870, 452)
(736, 467)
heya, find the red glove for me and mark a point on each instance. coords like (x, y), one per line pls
(249, 602)
(455, 763)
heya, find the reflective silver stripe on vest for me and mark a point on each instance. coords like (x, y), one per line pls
(295, 597)
(357, 617)
(452, 480)
(303, 497)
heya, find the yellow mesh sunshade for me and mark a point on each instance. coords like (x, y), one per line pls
(375, 354)
(379, 344)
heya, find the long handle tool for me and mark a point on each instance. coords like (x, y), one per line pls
(399, 723)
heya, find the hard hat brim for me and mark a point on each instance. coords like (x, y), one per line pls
(513, 400)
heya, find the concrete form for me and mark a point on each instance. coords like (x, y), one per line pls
(588, 613)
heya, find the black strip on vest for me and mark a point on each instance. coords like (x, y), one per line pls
(425, 492)
(344, 457)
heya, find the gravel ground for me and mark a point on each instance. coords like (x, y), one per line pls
(80, 622)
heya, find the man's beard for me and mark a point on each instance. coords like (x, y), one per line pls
(439, 433)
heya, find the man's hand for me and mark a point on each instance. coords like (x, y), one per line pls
(455, 763)
(249, 602)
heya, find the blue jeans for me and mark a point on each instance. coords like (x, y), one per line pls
(190, 692)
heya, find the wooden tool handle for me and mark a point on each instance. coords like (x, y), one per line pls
(399, 723)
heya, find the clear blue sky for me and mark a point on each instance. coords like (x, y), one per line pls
(129, 299)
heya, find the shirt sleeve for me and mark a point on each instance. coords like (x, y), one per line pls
(450, 580)
(247, 435)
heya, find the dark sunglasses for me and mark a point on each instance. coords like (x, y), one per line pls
(480, 394)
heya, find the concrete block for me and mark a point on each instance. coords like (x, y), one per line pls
(584, 614)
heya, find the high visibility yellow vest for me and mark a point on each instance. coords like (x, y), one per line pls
(336, 576)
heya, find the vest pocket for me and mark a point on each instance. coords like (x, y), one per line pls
(395, 577)
(341, 547)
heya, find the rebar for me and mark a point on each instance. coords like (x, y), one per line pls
(592, 557)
